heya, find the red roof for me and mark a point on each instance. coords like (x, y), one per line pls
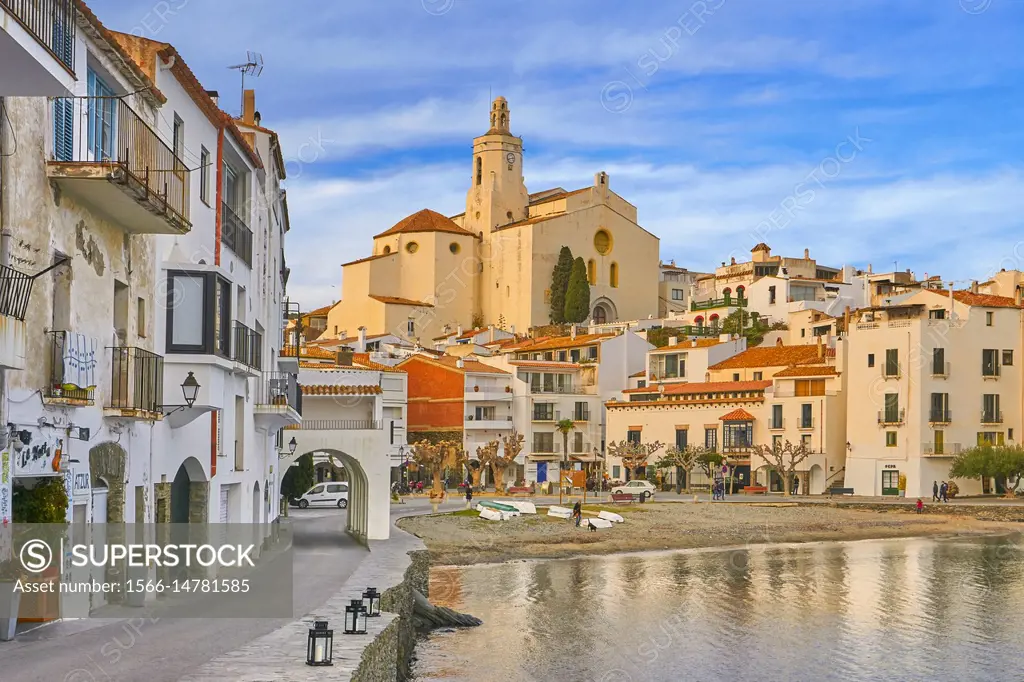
(737, 415)
(984, 300)
(425, 221)
(775, 356)
(708, 387)
(808, 371)
(395, 300)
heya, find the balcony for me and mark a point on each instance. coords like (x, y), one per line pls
(136, 384)
(805, 423)
(777, 424)
(557, 389)
(940, 449)
(891, 417)
(15, 290)
(991, 417)
(488, 394)
(337, 425)
(246, 349)
(726, 302)
(990, 371)
(892, 370)
(106, 156)
(940, 416)
(499, 423)
(72, 371)
(37, 47)
(581, 416)
(940, 370)
(235, 234)
(696, 330)
(278, 401)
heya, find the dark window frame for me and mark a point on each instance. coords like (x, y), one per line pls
(209, 345)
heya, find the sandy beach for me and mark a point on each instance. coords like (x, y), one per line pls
(461, 538)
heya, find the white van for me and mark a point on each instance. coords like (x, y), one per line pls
(325, 495)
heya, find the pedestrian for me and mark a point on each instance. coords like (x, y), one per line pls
(920, 505)
(935, 491)
(943, 489)
(577, 512)
(469, 495)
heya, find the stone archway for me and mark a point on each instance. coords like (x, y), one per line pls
(189, 494)
(604, 311)
(107, 463)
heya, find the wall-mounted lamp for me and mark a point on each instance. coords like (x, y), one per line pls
(292, 445)
(848, 446)
(190, 391)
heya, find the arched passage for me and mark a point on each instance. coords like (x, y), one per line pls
(107, 464)
(190, 493)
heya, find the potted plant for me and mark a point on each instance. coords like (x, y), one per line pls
(903, 485)
(508, 389)
(476, 389)
(10, 599)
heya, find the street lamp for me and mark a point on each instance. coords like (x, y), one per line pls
(320, 644)
(292, 445)
(190, 389)
(371, 602)
(355, 618)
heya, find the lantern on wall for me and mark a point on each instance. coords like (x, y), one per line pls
(320, 644)
(355, 618)
(371, 602)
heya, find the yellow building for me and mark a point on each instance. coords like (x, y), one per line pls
(492, 264)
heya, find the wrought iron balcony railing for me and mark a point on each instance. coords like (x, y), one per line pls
(940, 416)
(991, 417)
(337, 425)
(718, 303)
(136, 379)
(280, 389)
(51, 22)
(235, 234)
(15, 291)
(64, 374)
(246, 346)
(891, 417)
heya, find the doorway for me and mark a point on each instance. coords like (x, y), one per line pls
(542, 472)
(890, 482)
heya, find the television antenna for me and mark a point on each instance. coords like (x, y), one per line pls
(253, 66)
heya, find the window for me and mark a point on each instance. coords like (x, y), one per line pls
(454, 248)
(678, 295)
(549, 356)
(940, 442)
(574, 355)
(776, 442)
(410, 327)
(871, 359)
(892, 362)
(805, 440)
(990, 413)
(1009, 434)
(479, 171)
(102, 120)
(771, 295)
(803, 333)
(562, 356)
(809, 387)
(681, 439)
(737, 435)
(198, 313)
(890, 439)
(758, 376)
(387, 250)
(988, 318)
(671, 366)
(140, 317)
(711, 438)
(178, 137)
(603, 242)
(317, 490)
(577, 445)
(806, 416)
(633, 436)
(412, 247)
(543, 442)
(592, 352)
(776, 417)
(989, 363)
(616, 472)
(940, 408)
(485, 413)
(939, 362)
(204, 175)
(592, 272)
(1007, 358)
(641, 384)
(892, 408)
(990, 438)
(581, 413)
(543, 412)
(613, 275)
(735, 376)
(937, 314)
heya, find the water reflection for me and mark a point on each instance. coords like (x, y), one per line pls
(875, 610)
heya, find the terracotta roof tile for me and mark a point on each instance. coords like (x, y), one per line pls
(425, 221)
(808, 371)
(984, 300)
(639, 375)
(128, 62)
(684, 345)
(363, 359)
(330, 389)
(774, 356)
(451, 362)
(530, 221)
(308, 352)
(705, 387)
(737, 415)
(395, 300)
(560, 342)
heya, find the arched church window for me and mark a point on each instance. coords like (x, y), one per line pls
(387, 250)
(479, 171)
(503, 119)
(592, 272)
(600, 315)
(613, 274)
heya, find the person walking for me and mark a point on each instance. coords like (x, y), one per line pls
(920, 505)
(935, 491)
(577, 513)
(469, 495)
(943, 490)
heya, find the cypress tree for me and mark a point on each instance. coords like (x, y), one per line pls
(560, 284)
(577, 297)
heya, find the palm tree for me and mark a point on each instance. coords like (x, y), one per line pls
(564, 426)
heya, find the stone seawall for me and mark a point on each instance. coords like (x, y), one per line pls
(983, 512)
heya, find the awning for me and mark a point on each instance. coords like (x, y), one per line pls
(586, 458)
(543, 456)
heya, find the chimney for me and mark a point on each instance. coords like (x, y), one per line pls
(807, 254)
(1018, 296)
(846, 320)
(732, 261)
(458, 330)
(460, 363)
(512, 330)
(257, 118)
(572, 332)
(344, 357)
(490, 333)
(214, 95)
(673, 340)
(362, 340)
(249, 107)
(869, 268)
(821, 349)
(974, 287)
(693, 343)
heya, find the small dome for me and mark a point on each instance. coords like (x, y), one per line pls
(425, 221)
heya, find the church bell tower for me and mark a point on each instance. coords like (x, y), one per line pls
(497, 195)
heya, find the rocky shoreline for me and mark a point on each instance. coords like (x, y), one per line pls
(462, 539)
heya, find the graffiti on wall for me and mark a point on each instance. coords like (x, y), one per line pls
(36, 454)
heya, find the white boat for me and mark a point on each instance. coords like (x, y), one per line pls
(491, 514)
(599, 523)
(610, 516)
(505, 514)
(523, 506)
(560, 512)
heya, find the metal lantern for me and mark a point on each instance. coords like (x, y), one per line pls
(355, 618)
(292, 445)
(320, 644)
(371, 602)
(190, 389)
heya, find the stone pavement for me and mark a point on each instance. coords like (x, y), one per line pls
(281, 655)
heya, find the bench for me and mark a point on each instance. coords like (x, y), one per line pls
(840, 491)
(623, 497)
(519, 491)
(754, 490)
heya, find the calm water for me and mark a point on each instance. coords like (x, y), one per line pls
(903, 610)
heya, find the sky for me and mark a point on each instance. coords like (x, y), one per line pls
(866, 131)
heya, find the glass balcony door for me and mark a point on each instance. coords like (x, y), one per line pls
(102, 120)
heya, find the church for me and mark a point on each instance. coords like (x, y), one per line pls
(430, 274)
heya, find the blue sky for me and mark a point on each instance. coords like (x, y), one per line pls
(867, 131)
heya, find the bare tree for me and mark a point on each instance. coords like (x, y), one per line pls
(499, 458)
(433, 456)
(634, 455)
(684, 460)
(784, 458)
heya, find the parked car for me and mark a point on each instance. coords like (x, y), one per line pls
(325, 495)
(644, 489)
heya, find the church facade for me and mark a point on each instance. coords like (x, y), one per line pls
(492, 264)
